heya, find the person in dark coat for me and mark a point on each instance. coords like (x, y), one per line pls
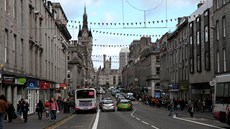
(40, 109)
(10, 112)
(25, 109)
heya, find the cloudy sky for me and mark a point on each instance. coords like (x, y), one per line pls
(134, 13)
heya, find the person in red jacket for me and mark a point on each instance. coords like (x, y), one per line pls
(47, 107)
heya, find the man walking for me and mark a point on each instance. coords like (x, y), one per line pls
(171, 107)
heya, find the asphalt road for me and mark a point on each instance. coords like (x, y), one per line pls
(142, 117)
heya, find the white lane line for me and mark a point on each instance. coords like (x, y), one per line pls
(96, 120)
(133, 113)
(154, 127)
(145, 122)
(138, 118)
(213, 126)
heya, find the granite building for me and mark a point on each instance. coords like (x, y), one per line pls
(33, 50)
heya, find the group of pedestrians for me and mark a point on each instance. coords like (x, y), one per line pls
(50, 107)
(7, 110)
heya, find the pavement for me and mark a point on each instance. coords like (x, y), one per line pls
(33, 122)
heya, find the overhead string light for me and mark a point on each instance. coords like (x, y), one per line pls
(107, 56)
(106, 45)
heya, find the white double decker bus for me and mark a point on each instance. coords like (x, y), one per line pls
(85, 100)
(221, 109)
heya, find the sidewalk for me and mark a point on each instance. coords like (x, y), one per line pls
(33, 122)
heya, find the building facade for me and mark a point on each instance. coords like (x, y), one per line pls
(81, 72)
(201, 51)
(108, 77)
(221, 50)
(123, 57)
(33, 54)
(141, 74)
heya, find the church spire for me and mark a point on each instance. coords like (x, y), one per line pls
(85, 22)
(85, 9)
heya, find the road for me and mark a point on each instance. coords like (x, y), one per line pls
(142, 117)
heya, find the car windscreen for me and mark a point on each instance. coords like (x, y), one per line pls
(83, 94)
(107, 102)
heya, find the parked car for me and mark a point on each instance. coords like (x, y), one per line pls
(124, 104)
(107, 105)
(130, 97)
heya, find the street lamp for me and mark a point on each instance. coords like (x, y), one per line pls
(1, 66)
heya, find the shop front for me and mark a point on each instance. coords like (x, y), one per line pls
(44, 90)
(32, 93)
(174, 91)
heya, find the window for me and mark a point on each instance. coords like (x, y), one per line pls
(6, 46)
(190, 40)
(206, 38)
(14, 8)
(191, 65)
(218, 61)
(68, 74)
(223, 93)
(198, 63)
(224, 26)
(207, 61)
(217, 4)
(22, 53)
(6, 5)
(198, 37)
(157, 70)
(15, 49)
(217, 30)
(224, 59)
(22, 18)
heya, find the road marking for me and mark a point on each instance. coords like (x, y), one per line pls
(133, 113)
(138, 118)
(213, 126)
(154, 127)
(96, 120)
(142, 121)
(145, 122)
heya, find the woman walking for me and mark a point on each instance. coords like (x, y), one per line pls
(53, 109)
(39, 109)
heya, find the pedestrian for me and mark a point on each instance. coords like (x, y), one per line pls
(25, 109)
(10, 112)
(3, 109)
(53, 109)
(47, 109)
(19, 109)
(171, 107)
(191, 108)
(39, 109)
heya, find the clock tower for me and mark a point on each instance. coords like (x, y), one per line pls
(85, 35)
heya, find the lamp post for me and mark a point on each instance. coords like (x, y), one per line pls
(1, 66)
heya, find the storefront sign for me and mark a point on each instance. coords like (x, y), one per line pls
(174, 87)
(44, 85)
(8, 79)
(32, 84)
(20, 81)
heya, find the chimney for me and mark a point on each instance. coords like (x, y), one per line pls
(200, 4)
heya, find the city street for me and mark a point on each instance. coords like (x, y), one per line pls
(142, 117)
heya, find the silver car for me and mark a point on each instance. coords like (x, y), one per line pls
(108, 105)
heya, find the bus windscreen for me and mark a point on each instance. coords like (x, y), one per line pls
(83, 94)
